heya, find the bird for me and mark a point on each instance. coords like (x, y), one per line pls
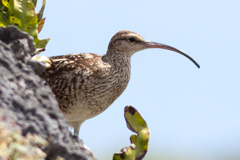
(86, 84)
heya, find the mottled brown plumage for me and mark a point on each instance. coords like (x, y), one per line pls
(87, 84)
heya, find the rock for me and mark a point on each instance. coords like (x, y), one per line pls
(27, 102)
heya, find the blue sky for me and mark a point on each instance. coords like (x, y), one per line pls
(189, 111)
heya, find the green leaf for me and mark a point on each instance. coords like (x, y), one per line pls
(6, 3)
(4, 15)
(21, 13)
(40, 25)
(15, 21)
(34, 2)
(40, 14)
(42, 43)
(3, 20)
(139, 147)
(24, 10)
(134, 120)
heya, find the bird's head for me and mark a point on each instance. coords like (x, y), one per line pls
(128, 42)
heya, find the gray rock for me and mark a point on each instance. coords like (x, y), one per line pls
(25, 98)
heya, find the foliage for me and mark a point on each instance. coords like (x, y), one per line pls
(21, 13)
(139, 147)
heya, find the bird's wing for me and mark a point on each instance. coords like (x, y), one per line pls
(67, 71)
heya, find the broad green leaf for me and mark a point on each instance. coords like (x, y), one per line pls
(139, 147)
(134, 120)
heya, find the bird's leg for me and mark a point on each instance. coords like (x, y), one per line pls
(76, 126)
(43, 59)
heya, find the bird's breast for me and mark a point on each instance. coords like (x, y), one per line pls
(105, 87)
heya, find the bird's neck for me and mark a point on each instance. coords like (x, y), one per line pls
(120, 69)
(120, 66)
(118, 60)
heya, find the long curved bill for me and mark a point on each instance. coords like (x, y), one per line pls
(163, 46)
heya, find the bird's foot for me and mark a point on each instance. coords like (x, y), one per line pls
(43, 59)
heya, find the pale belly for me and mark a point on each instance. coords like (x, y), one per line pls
(94, 102)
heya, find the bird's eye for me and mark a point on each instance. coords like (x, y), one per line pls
(132, 39)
